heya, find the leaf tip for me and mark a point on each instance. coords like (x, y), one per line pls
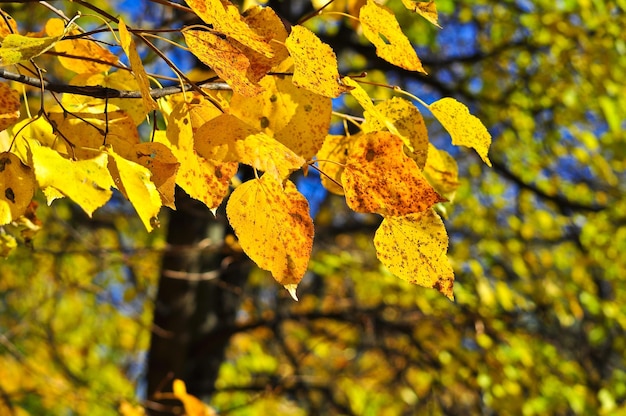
(291, 288)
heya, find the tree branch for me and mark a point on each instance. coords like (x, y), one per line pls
(97, 91)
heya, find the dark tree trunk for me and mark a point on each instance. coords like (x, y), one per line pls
(196, 304)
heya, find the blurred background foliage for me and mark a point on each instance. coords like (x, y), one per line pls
(537, 243)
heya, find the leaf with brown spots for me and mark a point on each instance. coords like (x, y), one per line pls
(9, 106)
(379, 177)
(17, 187)
(274, 226)
(413, 247)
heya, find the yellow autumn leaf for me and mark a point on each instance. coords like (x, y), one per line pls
(294, 116)
(426, 9)
(442, 172)
(225, 18)
(315, 63)
(18, 48)
(203, 179)
(413, 247)
(89, 56)
(364, 100)
(408, 123)
(163, 166)
(130, 49)
(133, 181)
(382, 29)
(87, 131)
(9, 106)
(86, 182)
(118, 80)
(231, 64)
(228, 139)
(17, 187)
(7, 24)
(379, 177)
(274, 226)
(193, 405)
(331, 160)
(464, 128)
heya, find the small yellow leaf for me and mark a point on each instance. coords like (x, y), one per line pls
(382, 29)
(193, 405)
(442, 172)
(464, 128)
(315, 63)
(294, 116)
(133, 181)
(119, 80)
(225, 19)
(18, 48)
(380, 178)
(228, 139)
(414, 247)
(364, 100)
(274, 226)
(408, 123)
(86, 182)
(331, 159)
(292, 291)
(7, 24)
(231, 64)
(17, 187)
(128, 44)
(162, 163)
(9, 106)
(202, 179)
(88, 49)
(426, 9)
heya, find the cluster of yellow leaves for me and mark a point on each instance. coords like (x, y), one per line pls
(276, 120)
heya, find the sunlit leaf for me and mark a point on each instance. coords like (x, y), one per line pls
(379, 177)
(201, 178)
(225, 19)
(228, 139)
(315, 63)
(90, 57)
(9, 106)
(274, 226)
(426, 9)
(442, 172)
(17, 187)
(7, 24)
(294, 116)
(128, 44)
(19, 48)
(465, 129)
(86, 182)
(133, 181)
(163, 165)
(331, 159)
(408, 123)
(414, 247)
(193, 405)
(382, 29)
(231, 64)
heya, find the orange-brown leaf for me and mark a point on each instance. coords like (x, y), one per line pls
(379, 177)
(9, 106)
(17, 187)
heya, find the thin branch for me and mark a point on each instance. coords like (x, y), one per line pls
(105, 92)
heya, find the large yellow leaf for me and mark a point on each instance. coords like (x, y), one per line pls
(442, 172)
(128, 44)
(315, 63)
(9, 106)
(133, 181)
(90, 57)
(426, 9)
(414, 247)
(408, 123)
(225, 19)
(465, 129)
(228, 139)
(17, 187)
(379, 177)
(86, 182)
(382, 29)
(231, 64)
(331, 160)
(294, 116)
(274, 226)
(202, 179)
